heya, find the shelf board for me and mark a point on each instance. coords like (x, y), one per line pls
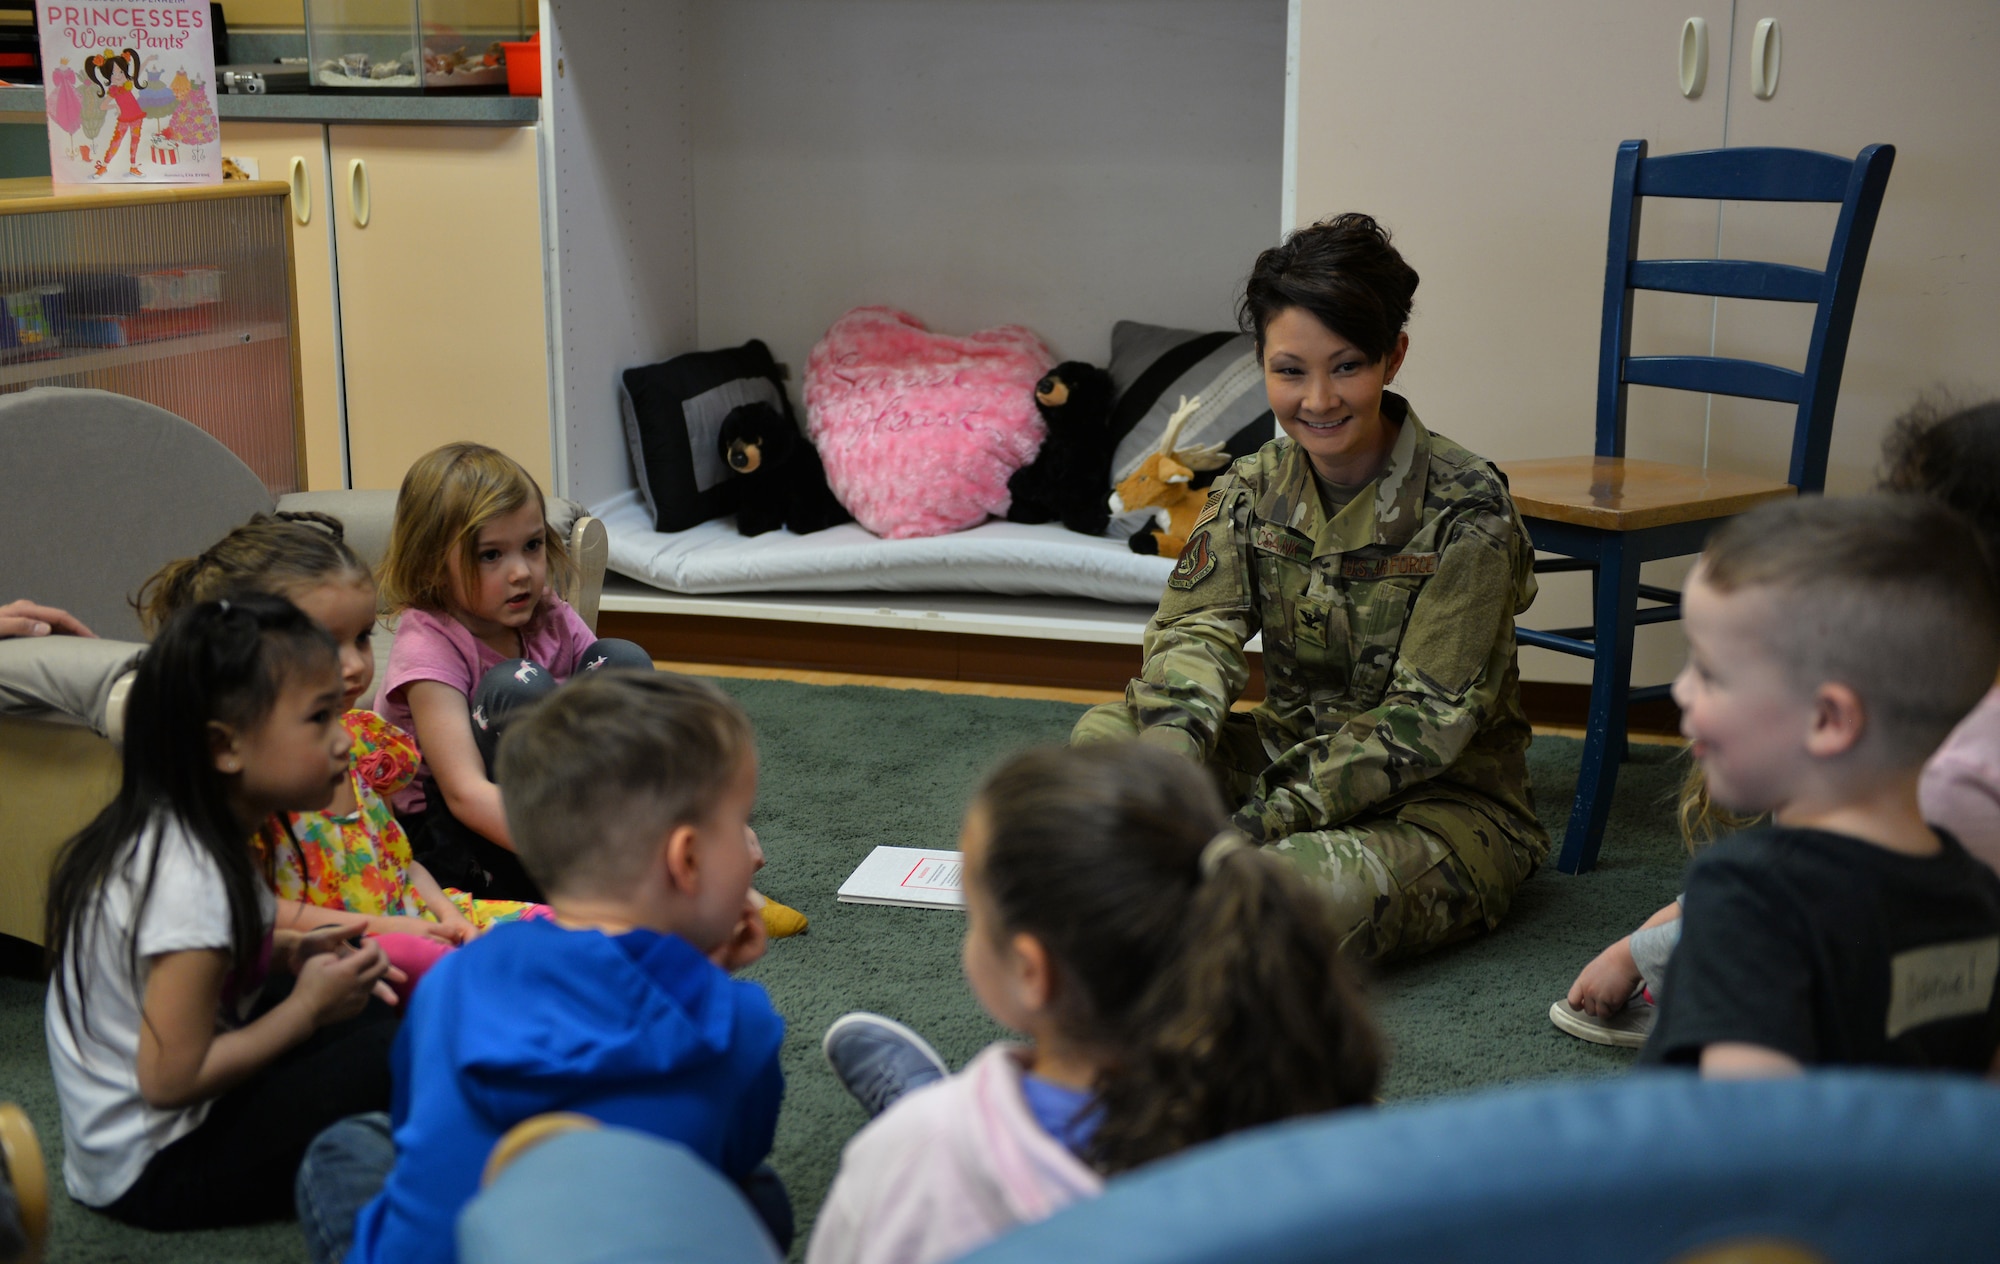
(92, 360)
(35, 195)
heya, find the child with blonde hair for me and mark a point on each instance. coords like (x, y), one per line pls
(480, 633)
(1951, 455)
(631, 797)
(1832, 645)
(349, 865)
(1175, 982)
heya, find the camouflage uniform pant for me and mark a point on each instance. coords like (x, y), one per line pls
(1404, 882)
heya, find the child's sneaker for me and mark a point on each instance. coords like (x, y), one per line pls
(878, 1059)
(1627, 1029)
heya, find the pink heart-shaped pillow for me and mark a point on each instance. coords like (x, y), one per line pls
(919, 431)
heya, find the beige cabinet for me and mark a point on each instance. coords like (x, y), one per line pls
(419, 274)
(1918, 76)
(297, 152)
(438, 234)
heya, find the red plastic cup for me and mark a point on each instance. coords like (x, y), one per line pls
(524, 67)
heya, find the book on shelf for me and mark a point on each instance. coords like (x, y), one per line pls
(914, 877)
(130, 93)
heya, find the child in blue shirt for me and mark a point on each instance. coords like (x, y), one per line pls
(629, 796)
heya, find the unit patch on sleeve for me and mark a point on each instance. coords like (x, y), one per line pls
(1196, 561)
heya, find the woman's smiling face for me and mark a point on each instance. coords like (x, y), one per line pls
(1327, 396)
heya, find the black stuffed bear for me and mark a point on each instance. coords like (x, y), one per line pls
(1070, 478)
(784, 484)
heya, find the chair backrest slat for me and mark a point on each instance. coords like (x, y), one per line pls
(1730, 278)
(1746, 174)
(1749, 174)
(1750, 379)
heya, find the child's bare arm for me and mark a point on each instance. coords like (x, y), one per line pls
(1731, 1061)
(432, 893)
(302, 917)
(1608, 982)
(444, 732)
(292, 915)
(184, 1060)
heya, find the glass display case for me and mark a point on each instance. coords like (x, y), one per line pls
(177, 295)
(396, 46)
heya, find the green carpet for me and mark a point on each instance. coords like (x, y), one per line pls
(846, 768)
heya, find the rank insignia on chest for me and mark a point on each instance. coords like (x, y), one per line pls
(1196, 561)
(1388, 567)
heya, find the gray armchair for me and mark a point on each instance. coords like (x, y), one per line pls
(98, 491)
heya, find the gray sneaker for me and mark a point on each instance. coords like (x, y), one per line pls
(1627, 1029)
(878, 1059)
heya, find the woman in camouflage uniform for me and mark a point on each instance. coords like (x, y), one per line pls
(1384, 565)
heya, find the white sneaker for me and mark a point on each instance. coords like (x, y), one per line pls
(1627, 1029)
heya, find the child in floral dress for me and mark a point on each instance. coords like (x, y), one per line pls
(349, 865)
(359, 861)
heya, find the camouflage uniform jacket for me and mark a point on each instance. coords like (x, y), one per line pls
(1391, 680)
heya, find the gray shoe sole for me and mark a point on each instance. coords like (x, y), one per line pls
(862, 1018)
(1627, 1029)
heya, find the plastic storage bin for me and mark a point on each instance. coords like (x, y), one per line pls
(406, 46)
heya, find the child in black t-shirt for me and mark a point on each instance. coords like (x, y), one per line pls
(1832, 646)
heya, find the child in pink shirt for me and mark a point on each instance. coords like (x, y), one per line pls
(1174, 981)
(1955, 458)
(481, 635)
(1960, 790)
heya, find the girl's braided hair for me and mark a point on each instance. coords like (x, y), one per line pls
(283, 553)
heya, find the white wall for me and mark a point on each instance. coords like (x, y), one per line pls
(619, 230)
(1060, 164)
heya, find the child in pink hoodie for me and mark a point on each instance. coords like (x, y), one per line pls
(1174, 982)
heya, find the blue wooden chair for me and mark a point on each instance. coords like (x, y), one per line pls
(1608, 515)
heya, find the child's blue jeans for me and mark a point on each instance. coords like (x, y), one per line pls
(347, 1165)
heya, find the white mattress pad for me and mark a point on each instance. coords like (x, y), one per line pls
(996, 557)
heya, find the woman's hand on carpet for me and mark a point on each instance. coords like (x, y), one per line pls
(1607, 983)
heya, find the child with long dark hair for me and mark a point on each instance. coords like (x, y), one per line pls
(350, 864)
(1175, 983)
(196, 1052)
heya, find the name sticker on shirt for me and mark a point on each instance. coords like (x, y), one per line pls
(1942, 981)
(1273, 539)
(1384, 567)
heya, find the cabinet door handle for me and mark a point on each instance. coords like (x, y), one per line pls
(1766, 48)
(302, 208)
(357, 191)
(1694, 57)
